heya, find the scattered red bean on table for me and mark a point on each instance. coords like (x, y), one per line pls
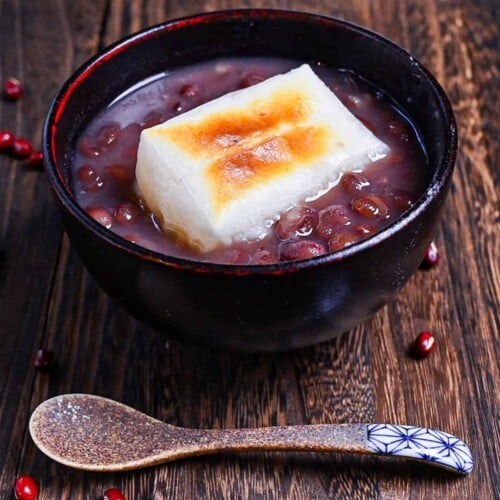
(21, 147)
(423, 345)
(44, 360)
(431, 257)
(13, 89)
(26, 488)
(6, 140)
(114, 494)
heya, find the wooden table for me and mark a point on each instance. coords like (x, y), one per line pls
(48, 300)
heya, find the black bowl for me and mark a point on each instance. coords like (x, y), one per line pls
(253, 308)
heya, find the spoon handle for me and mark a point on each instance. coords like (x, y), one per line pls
(419, 443)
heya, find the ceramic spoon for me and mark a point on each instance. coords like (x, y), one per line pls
(94, 433)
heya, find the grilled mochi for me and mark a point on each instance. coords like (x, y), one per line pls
(225, 170)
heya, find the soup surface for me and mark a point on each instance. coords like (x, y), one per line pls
(354, 207)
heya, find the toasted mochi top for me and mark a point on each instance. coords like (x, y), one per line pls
(220, 171)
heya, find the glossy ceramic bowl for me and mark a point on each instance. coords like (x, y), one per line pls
(253, 308)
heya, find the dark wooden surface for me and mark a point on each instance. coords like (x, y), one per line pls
(47, 298)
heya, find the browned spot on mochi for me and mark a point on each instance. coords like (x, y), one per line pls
(230, 176)
(251, 146)
(221, 131)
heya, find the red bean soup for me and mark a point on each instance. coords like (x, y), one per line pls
(356, 206)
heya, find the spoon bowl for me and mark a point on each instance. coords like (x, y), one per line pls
(93, 433)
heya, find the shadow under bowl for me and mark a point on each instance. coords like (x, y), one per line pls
(253, 308)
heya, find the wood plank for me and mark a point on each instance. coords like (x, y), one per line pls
(27, 215)
(47, 298)
(31, 230)
(472, 253)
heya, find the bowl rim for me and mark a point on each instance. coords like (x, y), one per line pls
(438, 183)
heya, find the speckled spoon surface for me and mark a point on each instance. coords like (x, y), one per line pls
(98, 434)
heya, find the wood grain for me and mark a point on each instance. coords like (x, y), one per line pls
(48, 299)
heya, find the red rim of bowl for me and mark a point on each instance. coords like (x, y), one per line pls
(439, 181)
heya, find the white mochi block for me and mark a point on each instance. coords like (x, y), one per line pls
(222, 171)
